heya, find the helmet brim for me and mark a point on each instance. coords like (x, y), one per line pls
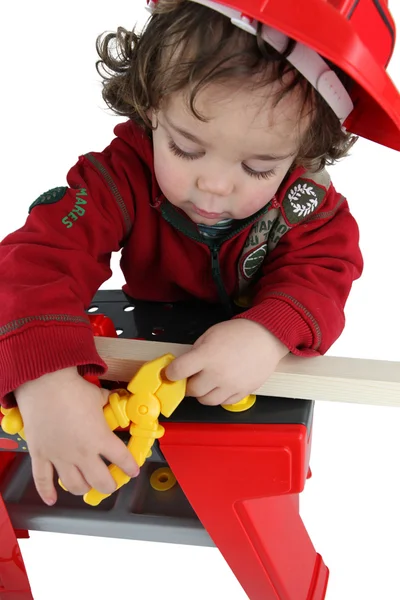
(316, 23)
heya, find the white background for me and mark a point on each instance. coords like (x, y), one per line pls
(51, 111)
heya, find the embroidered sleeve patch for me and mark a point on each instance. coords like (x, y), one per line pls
(253, 261)
(50, 197)
(302, 199)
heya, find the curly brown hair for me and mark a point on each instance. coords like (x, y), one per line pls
(187, 46)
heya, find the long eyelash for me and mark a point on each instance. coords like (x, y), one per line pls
(259, 174)
(178, 152)
(185, 155)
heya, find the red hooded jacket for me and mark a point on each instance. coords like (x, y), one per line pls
(294, 261)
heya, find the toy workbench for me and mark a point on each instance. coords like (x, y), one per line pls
(229, 479)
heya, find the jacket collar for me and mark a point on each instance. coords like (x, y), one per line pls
(182, 223)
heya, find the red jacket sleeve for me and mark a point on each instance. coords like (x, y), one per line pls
(307, 278)
(49, 271)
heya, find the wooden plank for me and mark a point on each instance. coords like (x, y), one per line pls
(325, 378)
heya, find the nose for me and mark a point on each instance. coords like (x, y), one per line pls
(215, 184)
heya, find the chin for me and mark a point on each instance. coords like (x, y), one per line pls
(199, 220)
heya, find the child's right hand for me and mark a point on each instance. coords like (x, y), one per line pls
(65, 428)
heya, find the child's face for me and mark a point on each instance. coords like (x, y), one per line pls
(232, 165)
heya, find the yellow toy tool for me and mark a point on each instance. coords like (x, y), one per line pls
(148, 394)
(12, 421)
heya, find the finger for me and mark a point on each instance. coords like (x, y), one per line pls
(116, 452)
(199, 385)
(185, 366)
(214, 398)
(234, 399)
(105, 396)
(200, 340)
(43, 473)
(98, 476)
(72, 478)
(104, 393)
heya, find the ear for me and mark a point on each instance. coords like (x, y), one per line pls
(152, 115)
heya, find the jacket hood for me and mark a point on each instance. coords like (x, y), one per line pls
(138, 139)
(141, 143)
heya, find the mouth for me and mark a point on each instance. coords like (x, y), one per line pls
(207, 215)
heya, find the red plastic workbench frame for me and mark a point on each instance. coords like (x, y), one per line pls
(243, 481)
(14, 582)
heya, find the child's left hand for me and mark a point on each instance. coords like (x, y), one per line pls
(228, 362)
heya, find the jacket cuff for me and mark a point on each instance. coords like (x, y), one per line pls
(284, 322)
(45, 349)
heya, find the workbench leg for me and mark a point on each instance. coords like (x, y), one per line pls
(243, 482)
(14, 583)
(272, 536)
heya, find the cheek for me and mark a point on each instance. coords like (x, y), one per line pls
(259, 193)
(171, 179)
(256, 197)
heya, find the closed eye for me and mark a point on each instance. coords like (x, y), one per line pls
(181, 153)
(259, 174)
(195, 155)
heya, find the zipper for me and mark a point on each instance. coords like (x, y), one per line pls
(216, 270)
(180, 223)
(217, 278)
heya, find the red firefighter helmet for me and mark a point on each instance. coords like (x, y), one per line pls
(357, 36)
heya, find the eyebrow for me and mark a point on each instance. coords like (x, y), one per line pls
(270, 156)
(184, 133)
(196, 140)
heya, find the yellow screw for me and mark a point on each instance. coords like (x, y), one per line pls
(242, 405)
(162, 479)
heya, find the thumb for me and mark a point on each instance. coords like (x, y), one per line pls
(105, 396)
(200, 340)
(100, 393)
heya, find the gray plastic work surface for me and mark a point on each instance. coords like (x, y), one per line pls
(135, 511)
